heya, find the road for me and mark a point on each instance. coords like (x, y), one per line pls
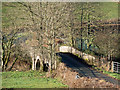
(84, 69)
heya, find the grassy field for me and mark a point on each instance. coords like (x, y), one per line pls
(110, 9)
(12, 12)
(29, 79)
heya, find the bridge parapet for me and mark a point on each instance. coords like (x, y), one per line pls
(65, 49)
(74, 51)
(92, 60)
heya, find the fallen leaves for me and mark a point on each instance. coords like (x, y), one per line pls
(68, 77)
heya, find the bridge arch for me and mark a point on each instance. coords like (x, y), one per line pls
(37, 63)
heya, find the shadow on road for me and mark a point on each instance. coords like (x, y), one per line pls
(80, 66)
(77, 64)
(76, 58)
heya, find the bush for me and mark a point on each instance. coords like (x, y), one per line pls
(89, 52)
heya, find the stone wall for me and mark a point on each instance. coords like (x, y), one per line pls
(76, 52)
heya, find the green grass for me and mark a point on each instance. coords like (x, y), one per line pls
(9, 13)
(29, 79)
(112, 74)
(115, 75)
(111, 9)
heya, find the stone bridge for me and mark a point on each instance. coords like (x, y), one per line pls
(64, 49)
(92, 60)
(68, 49)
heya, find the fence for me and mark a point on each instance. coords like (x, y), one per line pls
(116, 67)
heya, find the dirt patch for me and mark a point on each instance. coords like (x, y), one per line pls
(19, 65)
(69, 77)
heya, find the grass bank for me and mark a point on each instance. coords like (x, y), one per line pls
(29, 79)
(112, 74)
(115, 75)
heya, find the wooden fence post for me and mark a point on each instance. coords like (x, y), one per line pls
(112, 66)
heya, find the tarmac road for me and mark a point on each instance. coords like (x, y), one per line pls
(83, 69)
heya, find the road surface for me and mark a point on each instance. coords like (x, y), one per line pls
(84, 69)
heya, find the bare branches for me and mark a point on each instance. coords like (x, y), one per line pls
(29, 8)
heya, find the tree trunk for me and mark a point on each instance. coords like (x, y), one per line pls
(81, 28)
(55, 64)
(50, 63)
(49, 67)
(110, 64)
(41, 65)
(13, 64)
(33, 64)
